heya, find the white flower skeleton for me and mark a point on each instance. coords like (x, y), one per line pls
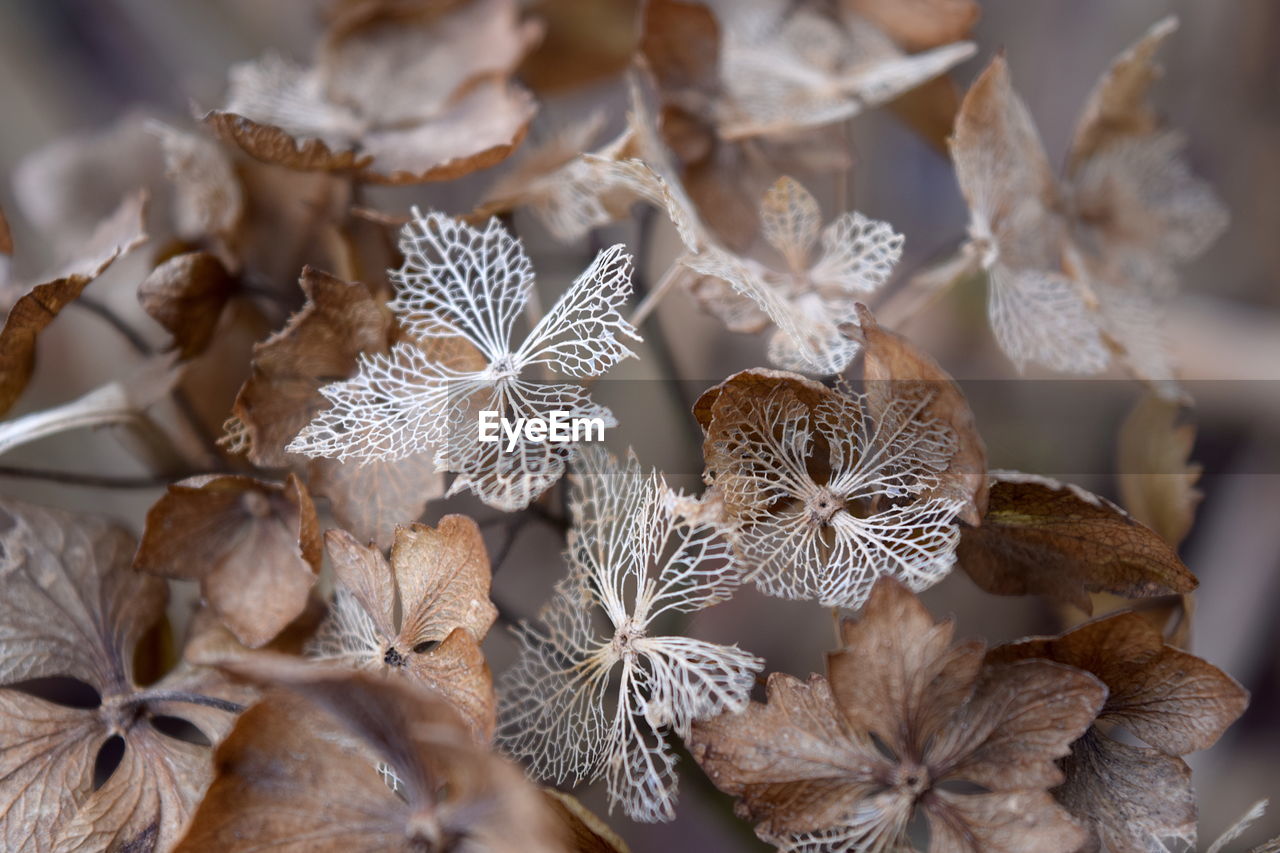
(581, 704)
(469, 286)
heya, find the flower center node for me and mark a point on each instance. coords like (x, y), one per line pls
(823, 505)
(911, 779)
(624, 639)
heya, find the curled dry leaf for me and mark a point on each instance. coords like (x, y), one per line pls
(1080, 268)
(423, 614)
(1133, 797)
(1157, 478)
(906, 724)
(397, 93)
(1042, 537)
(822, 493)
(254, 547)
(334, 761)
(581, 704)
(32, 308)
(814, 292)
(186, 294)
(893, 367)
(469, 287)
(71, 619)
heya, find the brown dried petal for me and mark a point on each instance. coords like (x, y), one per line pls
(272, 144)
(298, 774)
(254, 546)
(894, 367)
(186, 294)
(37, 307)
(586, 832)
(208, 197)
(324, 340)
(443, 576)
(680, 42)
(919, 24)
(6, 238)
(1042, 537)
(758, 382)
(1001, 823)
(373, 498)
(1157, 478)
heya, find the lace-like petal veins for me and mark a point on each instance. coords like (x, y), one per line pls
(457, 280)
(1039, 316)
(858, 255)
(396, 405)
(634, 556)
(789, 219)
(579, 336)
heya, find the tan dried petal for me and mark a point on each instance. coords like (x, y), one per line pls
(208, 196)
(186, 294)
(253, 546)
(1156, 477)
(372, 498)
(587, 833)
(919, 24)
(1042, 537)
(343, 762)
(32, 309)
(894, 367)
(6, 239)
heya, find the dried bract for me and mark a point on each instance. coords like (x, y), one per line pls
(423, 614)
(581, 704)
(905, 724)
(186, 294)
(73, 612)
(1134, 797)
(822, 495)
(253, 546)
(458, 282)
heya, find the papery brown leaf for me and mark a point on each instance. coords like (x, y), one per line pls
(808, 770)
(894, 366)
(437, 585)
(73, 610)
(186, 294)
(919, 24)
(321, 342)
(398, 93)
(1171, 700)
(344, 762)
(587, 833)
(254, 547)
(35, 307)
(1042, 537)
(1157, 480)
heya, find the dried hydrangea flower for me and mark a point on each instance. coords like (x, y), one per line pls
(399, 93)
(581, 704)
(465, 284)
(422, 614)
(905, 725)
(823, 494)
(1080, 267)
(787, 68)
(817, 291)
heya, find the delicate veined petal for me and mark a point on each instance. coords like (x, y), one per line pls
(858, 254)
(1040, 316)
(348, 635)
(579, 336)
(789, 220)
(579, 705)
(458, 281)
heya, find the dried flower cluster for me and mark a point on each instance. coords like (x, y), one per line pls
(328, 361)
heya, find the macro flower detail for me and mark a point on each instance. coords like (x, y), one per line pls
(812, 296)
(820, 496)
(905, 724)
(581, 704)
(470, 286)
(437, 584)
(1080, 268)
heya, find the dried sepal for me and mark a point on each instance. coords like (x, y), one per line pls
(254, 546)
(1134, 796)
(437, 584)
(468, 285)
(395, 94)
(894, 367)
(823, 494)
(339, 761)
(73, 610)
(186, 294)
(581, 704)
(32, 308)
(1042, 537)
(1157, 478)
(815, 292)
(906, 723)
